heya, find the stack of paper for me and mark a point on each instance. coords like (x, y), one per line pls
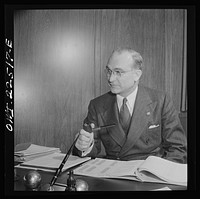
(52, 162)
(34, 151)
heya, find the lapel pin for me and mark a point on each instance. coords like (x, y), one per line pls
(148, 113)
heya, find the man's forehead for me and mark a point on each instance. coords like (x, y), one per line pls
(120, 59)
(122, 54)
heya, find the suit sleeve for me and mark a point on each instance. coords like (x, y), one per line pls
(91, 118)
(173, 135)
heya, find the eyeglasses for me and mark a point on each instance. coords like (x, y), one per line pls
(117, 73)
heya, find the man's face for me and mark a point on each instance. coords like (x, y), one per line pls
(124, 84)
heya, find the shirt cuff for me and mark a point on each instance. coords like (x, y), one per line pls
(84, 153)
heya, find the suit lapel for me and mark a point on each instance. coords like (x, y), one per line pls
(140, 118)
(111, 116)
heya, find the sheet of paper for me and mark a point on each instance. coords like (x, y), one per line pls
(162, 189)
(53, 161)
(36, 149)
(35, 168)
(106, 168)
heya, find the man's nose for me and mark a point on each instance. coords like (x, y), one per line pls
(112, 77)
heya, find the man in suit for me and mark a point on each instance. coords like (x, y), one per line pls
(151, 125)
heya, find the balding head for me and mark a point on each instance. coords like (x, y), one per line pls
(132, 55)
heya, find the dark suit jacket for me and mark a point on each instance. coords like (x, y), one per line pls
(151, 107)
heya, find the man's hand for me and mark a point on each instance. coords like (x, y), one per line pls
(85, 140)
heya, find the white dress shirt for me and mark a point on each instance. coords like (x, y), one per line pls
(130, 100)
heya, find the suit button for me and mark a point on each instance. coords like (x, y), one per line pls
(118, 158)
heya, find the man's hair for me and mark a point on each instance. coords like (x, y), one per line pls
(137, 58)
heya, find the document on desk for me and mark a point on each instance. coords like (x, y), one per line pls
(52, 161)
(34, 151)
(105, 168)
(153, 169)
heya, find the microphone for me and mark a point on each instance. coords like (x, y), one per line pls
(87, 127)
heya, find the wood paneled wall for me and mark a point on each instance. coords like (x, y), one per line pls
(60, 55)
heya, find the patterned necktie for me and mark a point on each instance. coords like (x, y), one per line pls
(124, 116)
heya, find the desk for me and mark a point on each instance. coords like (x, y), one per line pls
(95, 184)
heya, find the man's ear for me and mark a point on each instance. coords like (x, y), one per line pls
(138, 74)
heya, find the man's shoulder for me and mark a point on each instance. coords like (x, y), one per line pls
(153, 90)
(103, 98)
(155, 94)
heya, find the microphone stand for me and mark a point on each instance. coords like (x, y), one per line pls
(86, 127)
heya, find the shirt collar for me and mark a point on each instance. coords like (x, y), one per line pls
(130, 100)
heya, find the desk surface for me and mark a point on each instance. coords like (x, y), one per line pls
(95, 184)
